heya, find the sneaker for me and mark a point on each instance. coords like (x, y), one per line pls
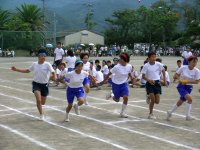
(41, 118)
(76, 109)
(189, 118)
(108, 96)
(116, 100)
(169, 115)
(148, 99)
(86, 102)
(123, 115)
(151, 116)
(67, 117)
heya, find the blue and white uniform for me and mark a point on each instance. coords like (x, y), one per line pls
(86, 67)
(187, 74)
(70, 60)
(75, 86)
(119, 80)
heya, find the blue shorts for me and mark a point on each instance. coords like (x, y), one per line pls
(110, 81)
(184, 90)
(185, 62)
(156, 88)
(43, 88)
(120, 90)
(70, 69)
(72, 92)
(86, 81)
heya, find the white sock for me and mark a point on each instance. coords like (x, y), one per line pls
(188, 109)
(123, 108)
(174, 108)
(85, 96)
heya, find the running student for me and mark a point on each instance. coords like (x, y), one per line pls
(151, 73)
(75, 88)
(187, 76)
(70, 60)
(86, 67)
(58, 54)
(41, 75)
(121, 73)
(185, 55)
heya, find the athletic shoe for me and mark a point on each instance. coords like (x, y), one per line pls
(151, 116)
(169, 115)
(67, 117)
(76, 109)
(41, 118)
(108, 96)
(86, 102)
(148, 99)
(123, 115)
(189, 118)
(116, 100)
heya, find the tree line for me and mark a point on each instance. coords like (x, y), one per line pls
(160, 24)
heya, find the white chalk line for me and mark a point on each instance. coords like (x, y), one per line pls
(127, 129)
(156, 122)
(46, 146)
(70, 129)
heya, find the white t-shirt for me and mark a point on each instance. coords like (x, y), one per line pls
(187, 74)
(59, 52)
(57, 73)
(166, 76)
(41, 72)
(70, 61)
(186, 54)
(105, 69)
(152, 72)
(93, 71)
(99, 76)
(76, 80)
(63, 72)
(86, 67)
(120, 73)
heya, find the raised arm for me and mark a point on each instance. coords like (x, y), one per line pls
(20, 70)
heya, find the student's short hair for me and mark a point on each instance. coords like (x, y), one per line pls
(151, 53)
(146, 61)
(96, 61)
(165, 67)
(70, 53)
(108, 61)
(125, 57)
(59, 43)
(192, 58)
(159, 60)
(179, 61)
(98, 68)
(83, 54)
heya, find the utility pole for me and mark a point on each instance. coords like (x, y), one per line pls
(43, 10)
(54, 33)
(2, 41)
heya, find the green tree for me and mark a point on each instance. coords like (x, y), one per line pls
(31, 15)
(4, 19)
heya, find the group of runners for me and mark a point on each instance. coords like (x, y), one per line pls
(82, 74)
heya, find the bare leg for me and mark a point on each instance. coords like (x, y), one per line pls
(38, 101)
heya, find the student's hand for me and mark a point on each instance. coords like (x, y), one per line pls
(13, 68)
(152, 82)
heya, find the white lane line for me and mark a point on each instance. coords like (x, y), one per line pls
(46, 146)
(110, 102)
(136, 132)
(5, 115)
(123, 121)
(107, 141)
(105, 123)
